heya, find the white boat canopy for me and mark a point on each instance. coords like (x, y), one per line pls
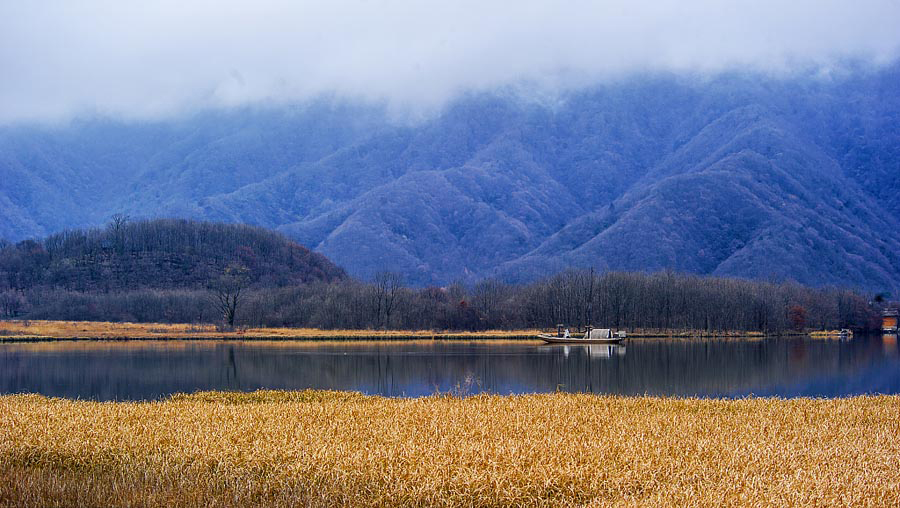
(599, 333)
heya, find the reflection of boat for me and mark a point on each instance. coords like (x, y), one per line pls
(889, 344)
(592, 350)
(605, 350)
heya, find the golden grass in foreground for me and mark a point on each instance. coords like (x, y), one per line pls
(345, 449)
(35, 329)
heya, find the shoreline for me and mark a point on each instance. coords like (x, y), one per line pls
(40, 330)
(48, 331)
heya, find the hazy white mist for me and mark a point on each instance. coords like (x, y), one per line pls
(160, 58)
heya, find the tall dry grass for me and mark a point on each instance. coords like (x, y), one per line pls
(345, 449)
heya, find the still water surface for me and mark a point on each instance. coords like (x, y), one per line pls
(718, 368)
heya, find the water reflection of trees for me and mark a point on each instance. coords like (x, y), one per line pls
(788, 367)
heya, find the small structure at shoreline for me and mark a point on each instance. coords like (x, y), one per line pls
(889, 321)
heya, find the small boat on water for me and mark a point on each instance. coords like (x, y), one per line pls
(574, 340)
(591, 336)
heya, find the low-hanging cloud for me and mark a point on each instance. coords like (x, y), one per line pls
(160, 58)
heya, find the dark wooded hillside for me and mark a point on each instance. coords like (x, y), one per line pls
(160, 254)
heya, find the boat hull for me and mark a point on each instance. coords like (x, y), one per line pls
(572, 340)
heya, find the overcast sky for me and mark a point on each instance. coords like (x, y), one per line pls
(156, 58)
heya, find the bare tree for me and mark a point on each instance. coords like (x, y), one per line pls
(228, 291)
(386, 287)
(116, 228)
(488, 298)
(11, 303)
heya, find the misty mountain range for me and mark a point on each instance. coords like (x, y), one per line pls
(738, 174)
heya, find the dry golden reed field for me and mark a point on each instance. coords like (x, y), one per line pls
(345, 449)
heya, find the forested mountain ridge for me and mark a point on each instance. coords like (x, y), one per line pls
(161, 254)
(739, 175)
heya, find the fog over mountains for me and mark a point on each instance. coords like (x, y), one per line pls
(737, 174)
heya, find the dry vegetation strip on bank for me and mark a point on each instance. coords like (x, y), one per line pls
(37, 329)
(30, 330)
(345, 449)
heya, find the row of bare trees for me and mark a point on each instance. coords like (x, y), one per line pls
(671, 301)
(661, 301)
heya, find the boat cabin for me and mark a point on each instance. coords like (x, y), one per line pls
(889, 320)
(598, 333)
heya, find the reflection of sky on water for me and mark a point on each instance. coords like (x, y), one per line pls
(882, 378)
(731, 368)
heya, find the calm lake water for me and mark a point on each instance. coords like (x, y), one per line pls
(717, 368)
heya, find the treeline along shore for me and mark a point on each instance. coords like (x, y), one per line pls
(180, 271)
